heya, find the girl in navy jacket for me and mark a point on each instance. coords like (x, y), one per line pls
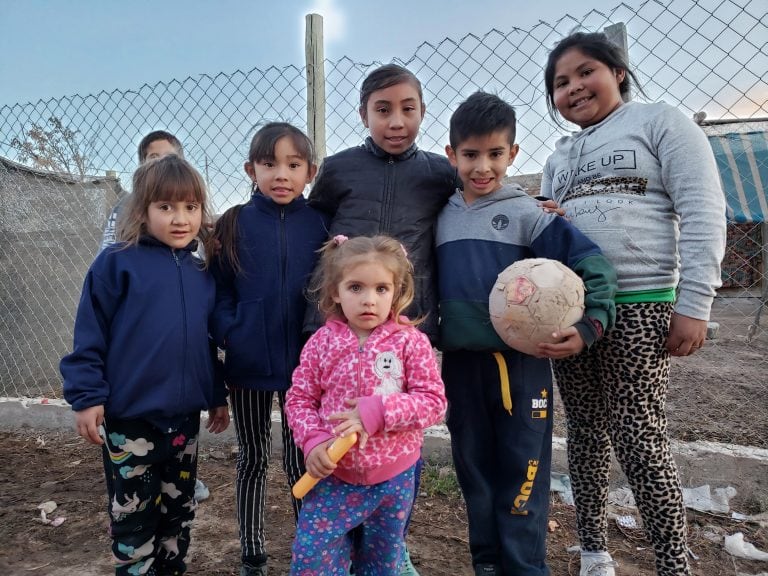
(268, 249)
(142, 368)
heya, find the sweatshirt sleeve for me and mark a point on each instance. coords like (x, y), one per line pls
(690, 177)
(83, 370)
(421, 404)
(559, 240)
(302, 401)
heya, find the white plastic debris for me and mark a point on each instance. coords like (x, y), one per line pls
(705, 500)
(561, 483)
(627, 521)
(47, 508)
(736, 546)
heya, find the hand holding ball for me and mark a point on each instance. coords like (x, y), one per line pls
(533, 298)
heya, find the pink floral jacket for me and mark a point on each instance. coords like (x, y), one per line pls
(396, 380)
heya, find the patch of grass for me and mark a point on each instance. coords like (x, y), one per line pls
(439, 480)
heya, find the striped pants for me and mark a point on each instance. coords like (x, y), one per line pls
(252, 415)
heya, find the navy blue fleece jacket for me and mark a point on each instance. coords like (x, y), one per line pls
(141, 346)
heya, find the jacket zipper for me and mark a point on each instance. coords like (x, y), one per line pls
(184, 325)
(360, 350)
(283, 291)
(389, 187)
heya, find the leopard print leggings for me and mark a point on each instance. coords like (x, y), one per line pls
(615, 394)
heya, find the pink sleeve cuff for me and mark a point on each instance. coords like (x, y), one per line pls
(371, 410)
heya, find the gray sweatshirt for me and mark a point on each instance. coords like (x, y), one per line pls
(643, 185)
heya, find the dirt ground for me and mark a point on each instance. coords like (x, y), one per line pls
(60, 467)
(718, 394)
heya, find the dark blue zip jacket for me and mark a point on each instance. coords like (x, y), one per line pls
(141, 344)
(260, 310)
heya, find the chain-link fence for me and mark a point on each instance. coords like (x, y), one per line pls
(699, 55)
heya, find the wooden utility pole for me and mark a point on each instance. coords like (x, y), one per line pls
(315, 83)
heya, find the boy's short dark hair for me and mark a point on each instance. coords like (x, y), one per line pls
(158, 135)
(479, 115)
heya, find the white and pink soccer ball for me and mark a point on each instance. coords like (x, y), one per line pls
(533, 298)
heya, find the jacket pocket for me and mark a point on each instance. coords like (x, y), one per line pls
(247, 351)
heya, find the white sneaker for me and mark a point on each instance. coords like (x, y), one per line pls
(201, 491)
(597, 564)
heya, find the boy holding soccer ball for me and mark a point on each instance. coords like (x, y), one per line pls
(499, 399)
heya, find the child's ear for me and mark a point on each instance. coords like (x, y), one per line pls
(513, 150)
(311, 173)
(363, 116)
(248, 167)
(423, 110)
(451, 155)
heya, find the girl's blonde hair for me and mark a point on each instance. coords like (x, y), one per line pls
(339, 254)
(168, 179)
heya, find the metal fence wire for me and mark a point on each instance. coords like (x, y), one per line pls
(698, 55)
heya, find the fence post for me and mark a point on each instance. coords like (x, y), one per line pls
(315, 83)
(617, 33)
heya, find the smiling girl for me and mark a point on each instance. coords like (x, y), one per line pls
(640, 181)
(268, 251)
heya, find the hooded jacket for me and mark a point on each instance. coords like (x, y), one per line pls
(368, 191)
(395, 377)
(483, 238)
(260, 310)
(141, 344)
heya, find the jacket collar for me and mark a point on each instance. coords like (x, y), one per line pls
(147, 240)
(339, 327)
(266, 204)
(371, 146)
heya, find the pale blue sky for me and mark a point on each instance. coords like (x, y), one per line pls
(53, 48)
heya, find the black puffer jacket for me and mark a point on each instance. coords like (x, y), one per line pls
(367, 191)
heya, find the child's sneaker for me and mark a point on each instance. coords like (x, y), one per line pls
(485, 570)
(201, 491)
(249, 570)
(407, 568)
(597, 564)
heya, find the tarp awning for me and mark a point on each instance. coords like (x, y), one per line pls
(742, 159)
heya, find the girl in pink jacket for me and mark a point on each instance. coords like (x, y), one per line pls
(367, 371)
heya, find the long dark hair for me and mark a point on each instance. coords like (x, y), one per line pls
(595, 45)
(262, 148)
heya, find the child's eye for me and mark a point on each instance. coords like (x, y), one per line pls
(267, 164)
(354, 288)
(469, 155)
(382, 289)
(382, 110)
(586, 72)
(164, 207)
(193, 207)
(295, 165)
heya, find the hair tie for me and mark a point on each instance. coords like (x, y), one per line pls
(405, 252)
(339, 239)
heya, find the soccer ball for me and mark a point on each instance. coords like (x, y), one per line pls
(533, 298)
